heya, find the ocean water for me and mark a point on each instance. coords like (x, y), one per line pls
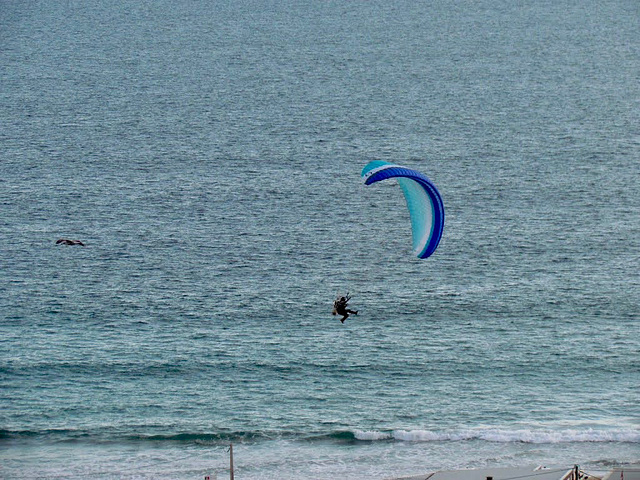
(209, 153)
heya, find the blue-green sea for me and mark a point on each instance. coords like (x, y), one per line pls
(208, 155)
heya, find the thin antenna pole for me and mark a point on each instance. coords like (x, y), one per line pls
(231, 461)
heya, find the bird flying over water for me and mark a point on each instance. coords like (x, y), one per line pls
(66, 241)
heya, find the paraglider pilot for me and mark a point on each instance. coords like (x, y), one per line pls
(340, 307)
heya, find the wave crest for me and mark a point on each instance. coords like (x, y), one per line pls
(539, 436)
(504, 436)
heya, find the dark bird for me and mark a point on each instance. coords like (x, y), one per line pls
(66, 241)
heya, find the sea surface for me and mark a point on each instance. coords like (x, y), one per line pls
(208, 153)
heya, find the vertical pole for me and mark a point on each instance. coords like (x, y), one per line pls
(231, 461)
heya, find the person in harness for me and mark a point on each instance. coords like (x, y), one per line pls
(340, 307)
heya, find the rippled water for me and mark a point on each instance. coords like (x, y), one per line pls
(209, 156)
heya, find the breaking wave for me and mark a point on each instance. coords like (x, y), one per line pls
(504, 436)
(213, 438)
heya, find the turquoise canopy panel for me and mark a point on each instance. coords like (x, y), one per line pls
(423, 201)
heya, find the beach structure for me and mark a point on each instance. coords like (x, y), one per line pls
(513, 473)
(628, 473)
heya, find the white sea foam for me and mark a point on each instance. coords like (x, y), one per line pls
(372, 435)
(505, 435)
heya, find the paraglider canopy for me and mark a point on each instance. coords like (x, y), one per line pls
(423, 201)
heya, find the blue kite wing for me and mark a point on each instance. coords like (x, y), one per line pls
(423, 201)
